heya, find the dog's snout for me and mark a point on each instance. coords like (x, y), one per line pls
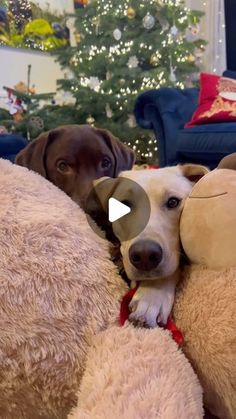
(145, 255)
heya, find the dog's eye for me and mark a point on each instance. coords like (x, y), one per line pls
(62, 166)
(106, 163)
(173, 202)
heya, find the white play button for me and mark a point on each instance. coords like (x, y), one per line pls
(108, 205)
(116, 210)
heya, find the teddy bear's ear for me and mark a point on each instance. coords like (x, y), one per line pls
(228, 162)
(194, 172)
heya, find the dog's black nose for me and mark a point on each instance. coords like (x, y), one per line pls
(145, 255)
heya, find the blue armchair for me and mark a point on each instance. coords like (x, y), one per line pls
(11, 145)
(166, 111)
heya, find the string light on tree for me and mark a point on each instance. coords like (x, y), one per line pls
(174, 30)
(90, 120)
(21, 11)
(109, 112)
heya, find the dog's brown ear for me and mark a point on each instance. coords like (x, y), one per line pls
(124, 156)
(194, 172)
(33, 156)
(97, 204)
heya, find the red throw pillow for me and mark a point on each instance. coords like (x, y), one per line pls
(217, 100)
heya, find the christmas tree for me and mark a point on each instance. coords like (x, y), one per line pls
(125, 47)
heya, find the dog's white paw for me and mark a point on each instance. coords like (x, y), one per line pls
(151, 306)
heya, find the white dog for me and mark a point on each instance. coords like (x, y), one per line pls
(152, 257)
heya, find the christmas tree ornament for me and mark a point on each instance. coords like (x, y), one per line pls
(131, 121)
(148, 21)
(94, 83)
(189, 37)
(108, 75)
(78, 37)
(74, 60)
(109, 112)
(195, 29)
(117, 34)
(164, 24)
(133, 62)
(154, 60)
(122, 82)
(172, 76)
(96, 21)
(191, 59)
(174, 30)
(36, 122)
(18, 117)
(192, 33)
(130, 12)
(90, 120)
(198, 52)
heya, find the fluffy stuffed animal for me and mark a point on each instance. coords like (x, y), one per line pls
(205, 308)
(60, 342)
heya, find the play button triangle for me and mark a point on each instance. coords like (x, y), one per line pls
(116, 209)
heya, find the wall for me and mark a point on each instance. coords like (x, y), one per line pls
(14, 63)
(59, 6)
(230, 13)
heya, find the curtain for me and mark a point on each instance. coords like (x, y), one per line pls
(230, 13)
(213, 30)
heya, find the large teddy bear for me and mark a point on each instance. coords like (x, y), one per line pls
(205, 307)
(61, 347)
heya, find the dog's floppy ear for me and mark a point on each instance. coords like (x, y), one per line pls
(97, 204)
(33, 156)
(124, 156)
(194, 172)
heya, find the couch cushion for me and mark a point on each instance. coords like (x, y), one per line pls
(207, 143)
(217, 101)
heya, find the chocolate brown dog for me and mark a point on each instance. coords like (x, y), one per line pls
(72, 156)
